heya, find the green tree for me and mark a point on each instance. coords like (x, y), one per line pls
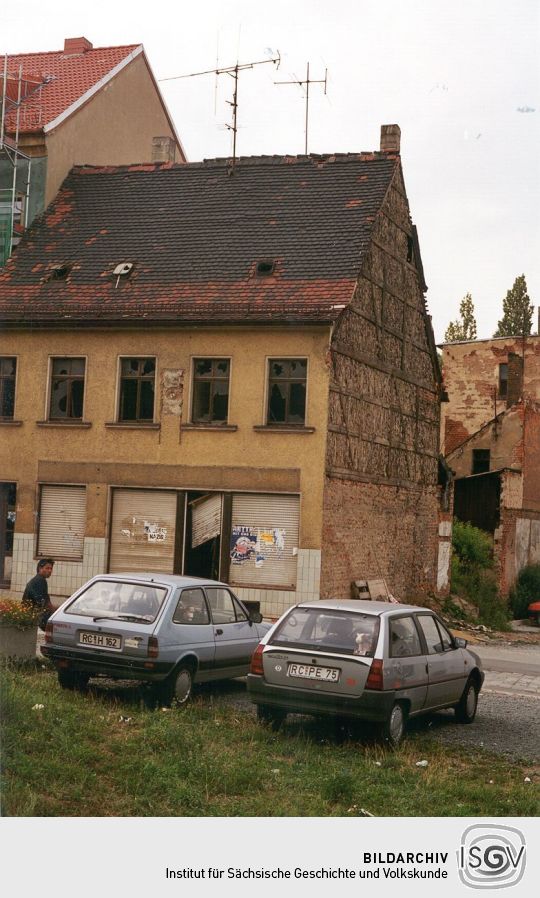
(517, 311)
(464, 329)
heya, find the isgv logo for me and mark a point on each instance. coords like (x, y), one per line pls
(491, 857)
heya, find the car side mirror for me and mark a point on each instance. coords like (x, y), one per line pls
(255, 617)
(459, 642)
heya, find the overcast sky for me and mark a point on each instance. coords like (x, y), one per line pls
(453, 75)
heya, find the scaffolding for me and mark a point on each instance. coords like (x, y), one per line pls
(14, 200)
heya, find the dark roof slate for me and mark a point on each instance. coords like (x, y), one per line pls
(195, 233)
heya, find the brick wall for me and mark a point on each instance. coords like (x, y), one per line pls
(471, 377)
(375, 530)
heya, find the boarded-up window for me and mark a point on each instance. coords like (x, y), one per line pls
(264, 540)
(143, 531)
(62, 521)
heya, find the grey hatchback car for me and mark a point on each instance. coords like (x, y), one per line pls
(375, 661)
(167, 630)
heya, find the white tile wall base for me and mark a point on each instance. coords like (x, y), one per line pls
(274, 601)
(67, 575)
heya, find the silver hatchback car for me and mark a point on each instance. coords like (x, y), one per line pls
(166, 630)
(374, 661)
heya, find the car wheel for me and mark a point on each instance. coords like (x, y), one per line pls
(393, 729)
(466, 709)
(73, 679)
(272, 716)
(182, 686)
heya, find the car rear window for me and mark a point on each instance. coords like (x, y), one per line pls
(116, 599)
(336, 631)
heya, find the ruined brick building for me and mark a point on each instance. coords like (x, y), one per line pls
(229, 374)
(491, 434)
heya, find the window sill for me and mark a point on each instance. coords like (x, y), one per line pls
(10, 422)
(132, 425)
(283, 428)
(67, 423)
(228, 428)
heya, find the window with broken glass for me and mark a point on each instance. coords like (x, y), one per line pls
(287, 391)
(8, 370)
(137, 389)
(210, 403)
(67, 389)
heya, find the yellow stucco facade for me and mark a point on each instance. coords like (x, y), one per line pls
(101, 454)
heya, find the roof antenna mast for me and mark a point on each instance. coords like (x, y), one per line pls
(307, 81)
(233, 71)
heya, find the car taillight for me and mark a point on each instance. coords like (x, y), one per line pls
(153, 647)
(375, 675)
(257, 662)
(49, 632)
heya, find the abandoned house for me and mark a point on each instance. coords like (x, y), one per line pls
(497, 486)
(232, 374)
(482, 378)
(78, 105)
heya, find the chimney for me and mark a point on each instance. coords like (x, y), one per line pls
(163, 149)
(75, 46)
(390, 138)
(514, 390)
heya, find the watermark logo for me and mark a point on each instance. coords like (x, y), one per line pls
(491, 857)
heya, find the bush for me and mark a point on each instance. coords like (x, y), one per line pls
(472, 546)
(525, 590)
(471, 574)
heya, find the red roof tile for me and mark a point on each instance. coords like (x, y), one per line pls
(54, 81)
(195, 235)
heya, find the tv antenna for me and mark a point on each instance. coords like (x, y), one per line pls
(233, 71)
(307, 81)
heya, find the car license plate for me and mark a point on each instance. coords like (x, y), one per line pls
(312, 672)
(100, 640)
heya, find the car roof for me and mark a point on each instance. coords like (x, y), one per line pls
(163, 579)
(361, 607)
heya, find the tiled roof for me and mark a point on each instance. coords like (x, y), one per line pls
(52, 82)
(195, 234)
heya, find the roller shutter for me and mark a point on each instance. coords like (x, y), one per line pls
(62, 521)
(205, 519)
(143, 531)
(264, 536)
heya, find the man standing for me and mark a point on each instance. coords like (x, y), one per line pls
(36, 591)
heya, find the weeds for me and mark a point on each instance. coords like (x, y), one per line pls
(105, 753)
(472, 574)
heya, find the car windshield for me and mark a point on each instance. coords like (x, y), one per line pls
(348, 633)
(119, 600)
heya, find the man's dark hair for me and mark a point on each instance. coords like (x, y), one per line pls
(42, 562)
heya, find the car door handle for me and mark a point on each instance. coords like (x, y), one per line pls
(219, 632)
(427, 668)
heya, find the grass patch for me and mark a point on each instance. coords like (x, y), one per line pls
(108, 754)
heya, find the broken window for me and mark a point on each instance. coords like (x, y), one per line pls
(8, 371)
(137, 389)
(287, 391)
(210, 403)
(67, 389)
(503, 381)
(480, 461)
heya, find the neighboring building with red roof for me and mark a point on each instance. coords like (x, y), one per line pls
(226, 373)
(79, 105)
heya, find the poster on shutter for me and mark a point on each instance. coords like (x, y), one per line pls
(243, 544)
(251, 544)
(154, 533)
